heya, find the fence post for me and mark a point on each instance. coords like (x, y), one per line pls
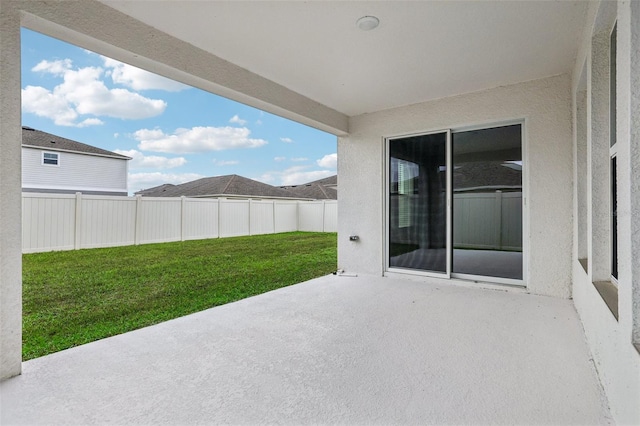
(250, 205)
(498, 207)
(183, 219)
(324, 212)
(273, 205)
(298, 215)
(78, 237)
(219, 200)
(138, 220)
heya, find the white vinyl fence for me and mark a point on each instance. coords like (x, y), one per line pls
(69, 222)
(500, 216)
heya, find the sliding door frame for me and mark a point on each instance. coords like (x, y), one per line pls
(387, 228)
(525, 206)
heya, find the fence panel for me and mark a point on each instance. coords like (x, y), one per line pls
(48, 222)
(286, 213)
(159, 220)
(106, 221)
(261, 217)
(200, 219)
(310, 216)
(234, 218)
(330, 216)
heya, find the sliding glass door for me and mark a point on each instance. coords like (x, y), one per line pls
(487, 202)
(418, 182)
(455, 203)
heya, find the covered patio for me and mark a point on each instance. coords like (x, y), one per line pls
(398, 343)
(339, 350)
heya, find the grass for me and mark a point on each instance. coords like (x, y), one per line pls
(75, 297)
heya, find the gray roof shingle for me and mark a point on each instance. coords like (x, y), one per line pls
(39, 139)
(230, 185)
(321, 189)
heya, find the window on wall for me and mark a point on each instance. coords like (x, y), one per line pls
(613, 152)
(581, 169)
(51, 158)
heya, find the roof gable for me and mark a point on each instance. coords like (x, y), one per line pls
(33, 138)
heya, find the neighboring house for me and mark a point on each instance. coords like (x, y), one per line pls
(55, 164)
(556, 83)
(321, 189)
(228, 186)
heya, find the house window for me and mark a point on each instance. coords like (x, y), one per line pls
(613, 152)
(51, 158)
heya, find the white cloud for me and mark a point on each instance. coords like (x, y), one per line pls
(58, 67)
(237, 120)
(43, 103)
(296, 175)
(139, 181)
(139, 160)
(298, 178)
(329, 161)
(225, 162)
(279, 159)
(286, 140)
(139, 79)
(298, 159)
(116, 135)
(90, 122)
(83, 92)
(196, 139)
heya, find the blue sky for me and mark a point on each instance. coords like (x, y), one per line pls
(173, 132)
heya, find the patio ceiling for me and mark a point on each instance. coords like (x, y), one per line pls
(420, 51)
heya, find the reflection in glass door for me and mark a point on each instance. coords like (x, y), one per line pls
(460, 213)
(418, 203)
(487, 202)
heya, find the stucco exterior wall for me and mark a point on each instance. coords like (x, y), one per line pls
(610, 340)
(75, 172)
(10, 207)
(545, 107)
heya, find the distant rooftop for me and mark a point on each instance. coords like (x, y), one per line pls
(39, 139)
(219, 186)
(321, 189)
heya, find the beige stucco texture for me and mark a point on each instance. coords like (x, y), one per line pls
(545, 108)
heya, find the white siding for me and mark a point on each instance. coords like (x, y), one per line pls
(75, 172)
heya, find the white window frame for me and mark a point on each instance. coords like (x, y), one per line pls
(57, 154)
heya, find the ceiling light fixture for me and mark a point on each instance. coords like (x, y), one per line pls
(367, 23)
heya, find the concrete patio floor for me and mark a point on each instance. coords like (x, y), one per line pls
(332, 350)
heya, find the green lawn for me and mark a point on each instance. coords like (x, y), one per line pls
(75, 297)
